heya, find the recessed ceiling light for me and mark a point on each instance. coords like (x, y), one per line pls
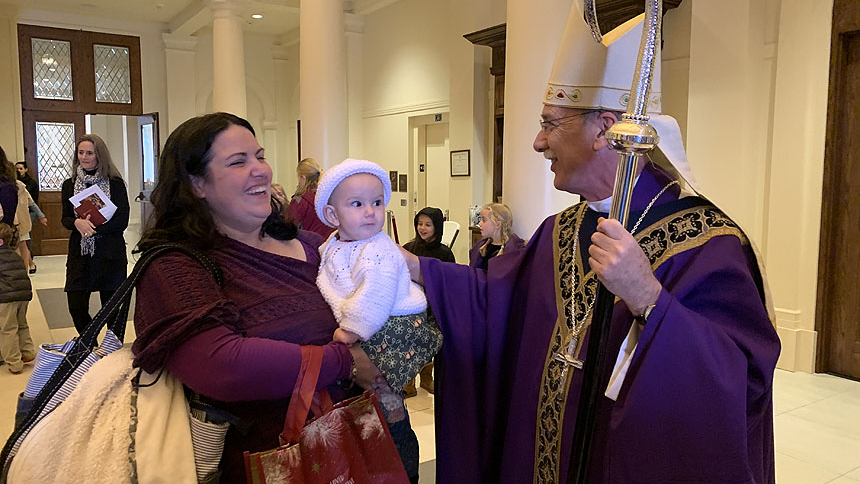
(256, 15)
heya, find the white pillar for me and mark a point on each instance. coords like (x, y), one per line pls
(322, 77)
(284, 167)
(728, 107)
(180, 63)
(269, 139)
(794, 204)
(228, 47)
(534, 31)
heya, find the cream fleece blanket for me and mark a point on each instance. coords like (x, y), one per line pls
(88, 437)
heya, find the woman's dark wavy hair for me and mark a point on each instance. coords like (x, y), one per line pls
(179, 215)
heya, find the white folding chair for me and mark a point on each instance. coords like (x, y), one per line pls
(450, 230)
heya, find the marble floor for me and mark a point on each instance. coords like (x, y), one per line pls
(817, 417)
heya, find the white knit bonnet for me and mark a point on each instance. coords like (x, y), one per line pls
(331, 178)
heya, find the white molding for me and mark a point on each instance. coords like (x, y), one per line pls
(798, 343)
(179, 42)
(77, 21)
(290, 37)
(407, 108)
(787, 318)
(353, 23)
(280, 52)
(798, 349)
(364, 7)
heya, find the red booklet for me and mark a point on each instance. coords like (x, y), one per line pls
(87, 207)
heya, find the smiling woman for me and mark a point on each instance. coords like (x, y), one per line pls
(237, 345)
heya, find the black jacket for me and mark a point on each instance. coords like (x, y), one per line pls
(106, 269)
(434, 249)
(14, 281)
(32, 187)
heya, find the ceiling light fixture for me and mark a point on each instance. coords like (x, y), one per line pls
(256, 15)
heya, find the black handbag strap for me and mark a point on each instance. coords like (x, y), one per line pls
(114, 315)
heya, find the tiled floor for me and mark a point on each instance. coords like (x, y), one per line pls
(817, 417)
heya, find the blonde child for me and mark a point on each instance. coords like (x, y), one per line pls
(498, 236)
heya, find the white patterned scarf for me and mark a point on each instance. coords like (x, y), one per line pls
(82, 182)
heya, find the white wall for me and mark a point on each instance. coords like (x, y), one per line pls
(416, 62)
(405, 74)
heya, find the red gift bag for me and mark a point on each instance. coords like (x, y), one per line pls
(348, 443)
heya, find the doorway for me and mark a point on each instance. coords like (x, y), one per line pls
(430, 167)
(838, 297)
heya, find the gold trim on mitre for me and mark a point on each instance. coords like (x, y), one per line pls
(591, 75)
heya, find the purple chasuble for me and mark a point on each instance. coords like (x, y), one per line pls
(696, 404)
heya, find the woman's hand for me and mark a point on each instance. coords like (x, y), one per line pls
(44, 221)
(367, 375)
(85, 227)
(413, 265)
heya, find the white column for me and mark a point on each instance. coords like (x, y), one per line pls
(228, 47)
(322, 77)
(728, 105)
(269, 139)
(794, 204)
(285, 164)
(534, 31)
(180, 66)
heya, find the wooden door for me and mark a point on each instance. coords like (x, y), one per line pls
(837, 315)
(49, 138)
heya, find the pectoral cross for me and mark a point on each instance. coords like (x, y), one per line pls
(567, 359)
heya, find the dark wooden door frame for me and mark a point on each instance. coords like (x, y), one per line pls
(845, 28)
(53, 239)
(83, 73)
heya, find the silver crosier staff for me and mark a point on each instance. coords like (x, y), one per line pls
(632, 138)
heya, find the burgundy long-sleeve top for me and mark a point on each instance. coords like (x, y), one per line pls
(238, 345)
(304, 214)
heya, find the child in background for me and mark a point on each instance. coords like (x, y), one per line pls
(429, 226)
(16, 346)
(498, 237)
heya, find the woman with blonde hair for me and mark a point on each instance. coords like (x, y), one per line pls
(96, 260)
(302, 210)
(498, 238)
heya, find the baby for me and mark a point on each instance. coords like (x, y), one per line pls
(364, 277)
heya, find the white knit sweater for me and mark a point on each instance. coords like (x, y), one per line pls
(365, 282)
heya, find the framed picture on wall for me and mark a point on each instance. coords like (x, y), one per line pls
(460, 164)
(402, 187)
(392, 175)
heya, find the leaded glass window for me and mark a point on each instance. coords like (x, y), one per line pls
(113, 76)
(52, 69)
(55, 148)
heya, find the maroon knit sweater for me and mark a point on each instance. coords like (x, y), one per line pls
(239, 345)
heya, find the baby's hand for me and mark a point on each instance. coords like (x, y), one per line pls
(344, 336)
